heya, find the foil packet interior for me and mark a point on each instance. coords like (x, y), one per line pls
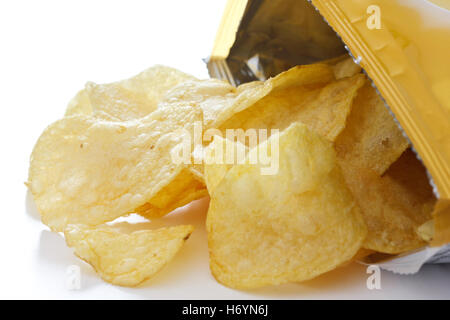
(272, 36)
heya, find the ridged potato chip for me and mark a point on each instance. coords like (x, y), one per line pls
(287, 227)
(323, 109)
(128, 99)
(88, 171)
(371, 138)
(126, 259)
(395, 205)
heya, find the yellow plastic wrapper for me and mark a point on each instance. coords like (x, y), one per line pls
(401, 45)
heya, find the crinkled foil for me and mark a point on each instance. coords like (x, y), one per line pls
(276, 35)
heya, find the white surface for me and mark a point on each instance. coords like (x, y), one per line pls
(49, 49)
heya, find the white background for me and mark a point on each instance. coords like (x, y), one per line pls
(48, 50)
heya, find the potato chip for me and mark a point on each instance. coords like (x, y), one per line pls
(211, 95)
(80, 104)
(335, 60)
(287, 227)
(185, 188)
(308, 75)
(346, 68)
(343, 183)
(219, 100)
(371, 138)
(426, 231)
(88, 171)
(361, 254)
(126, 259)
(216, 165)
(322, 109)
(134, 98)
(393, 205)
(197, 171)
(128, 99)
(194, 192)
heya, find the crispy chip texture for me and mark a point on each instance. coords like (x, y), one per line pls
(323, 109)
(185, 188)
(426, 231)
(132, 98)
(329, 181)
(126, 259)
(88, 171)
(216, 164)
(371, 138)
(211, 95)
(80, 104)
(135, 98)
(394, 205)
(346, 68)
(219, 100)
(249, 94)
(291, 226)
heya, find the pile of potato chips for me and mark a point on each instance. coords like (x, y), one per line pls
(346, 182)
